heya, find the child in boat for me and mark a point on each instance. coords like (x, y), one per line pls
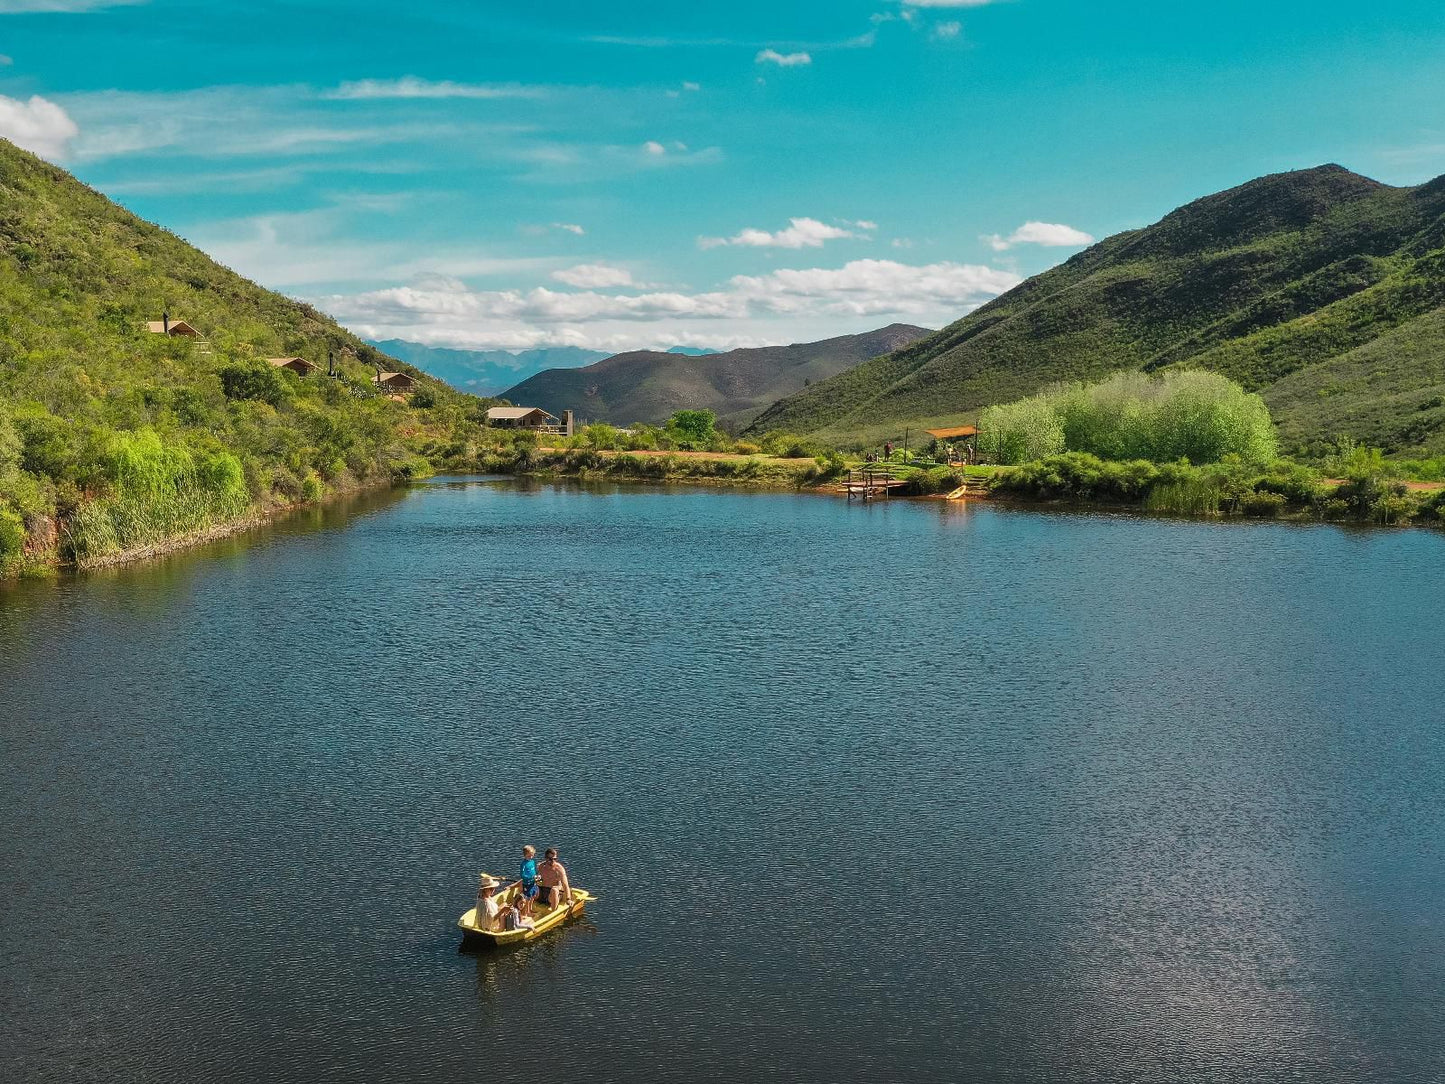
(514, 919)
(528, 877)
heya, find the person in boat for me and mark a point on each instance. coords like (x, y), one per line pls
(528, 879)
(489, 909)
(552, 876)
(513, 917)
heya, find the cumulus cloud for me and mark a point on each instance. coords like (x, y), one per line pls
(652, 146)
(570, 227)
(409, 86)
(1048, 234)
(946, 31)
(800, 233)
(37, 125)
(594, 276)
(779, 307)
(783, 60)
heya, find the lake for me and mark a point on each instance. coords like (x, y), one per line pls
(901, 791)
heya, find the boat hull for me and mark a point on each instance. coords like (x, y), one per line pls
(543, 923)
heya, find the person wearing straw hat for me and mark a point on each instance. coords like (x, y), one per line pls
(488, 909)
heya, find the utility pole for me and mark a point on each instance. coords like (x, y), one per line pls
(905, 445)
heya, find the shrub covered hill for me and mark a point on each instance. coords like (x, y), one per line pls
(648, 386)
(1320, 289)
(114, 438)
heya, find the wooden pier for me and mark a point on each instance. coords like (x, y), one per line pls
(870, 483)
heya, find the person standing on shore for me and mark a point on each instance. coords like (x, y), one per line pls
(888, 451)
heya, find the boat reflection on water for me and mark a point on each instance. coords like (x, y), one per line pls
(528, 970)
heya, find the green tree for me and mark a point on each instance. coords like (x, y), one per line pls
(692, 428)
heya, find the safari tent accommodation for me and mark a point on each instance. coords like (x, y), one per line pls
(394, 382)
(299, 366)
(522, 417)
(167, 326)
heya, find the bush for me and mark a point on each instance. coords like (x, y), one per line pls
(254, 380)
(601, 435)
(12, 536)
(1262, 504)
(831, 464)
(692, 429)
(1198, 416)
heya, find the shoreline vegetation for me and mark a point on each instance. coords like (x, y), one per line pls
(150, 496)
(165, 500)
(1215, 442)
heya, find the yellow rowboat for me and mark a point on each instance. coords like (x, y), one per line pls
(544, 919)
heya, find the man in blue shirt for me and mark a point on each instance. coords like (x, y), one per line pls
(529, 879)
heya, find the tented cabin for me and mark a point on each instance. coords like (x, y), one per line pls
(299, 366)
(168, 326)
(394, 382)
(520, 417)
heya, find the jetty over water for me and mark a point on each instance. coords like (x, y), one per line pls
(870, 483)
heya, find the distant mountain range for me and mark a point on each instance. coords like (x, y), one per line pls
(1321, 289)
(487, 372)
(648, 385)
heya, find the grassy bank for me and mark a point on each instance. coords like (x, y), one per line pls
(1370, 489)
(760, 471)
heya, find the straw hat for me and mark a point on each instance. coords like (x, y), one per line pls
(486, 880)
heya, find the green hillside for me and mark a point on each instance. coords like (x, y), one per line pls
(648, 386)
(1320, 289)
(113, 437)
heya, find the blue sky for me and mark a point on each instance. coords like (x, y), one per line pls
(621, 175)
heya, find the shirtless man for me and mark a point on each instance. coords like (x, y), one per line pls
(552, 876)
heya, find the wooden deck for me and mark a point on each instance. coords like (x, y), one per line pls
(870, 483)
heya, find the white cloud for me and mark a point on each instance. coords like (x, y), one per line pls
(783, 306)
(783, 60)
(229, 121)
(864, 224)
(594, 276)
(800, 233)
(310, 248)
(948, 3)
(410, 86)
(687, 85)
(652, 146)
(37, 125)
(946, 31)
(1048, 234)
(570, 227)
(26, 7)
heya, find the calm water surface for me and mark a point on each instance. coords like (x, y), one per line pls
(900, 792)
